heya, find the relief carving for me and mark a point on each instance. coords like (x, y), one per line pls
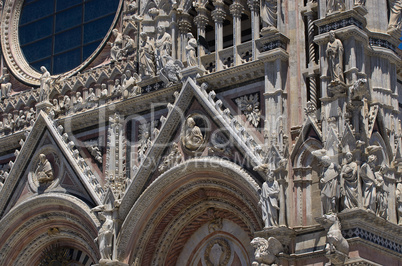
(250, 106)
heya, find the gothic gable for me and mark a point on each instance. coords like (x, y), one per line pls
(177, 125)
(46, 163)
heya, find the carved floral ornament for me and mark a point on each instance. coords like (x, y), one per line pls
(250, 106)
(12, 52)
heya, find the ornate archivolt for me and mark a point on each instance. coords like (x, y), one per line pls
(34, 225)
(13, 55)
(180, 196)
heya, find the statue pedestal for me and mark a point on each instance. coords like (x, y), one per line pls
(110, 263)
(282, 233)
(191, 72)
(43, 106)
(336, 257)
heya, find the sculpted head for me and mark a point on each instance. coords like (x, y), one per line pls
(190, 122)
(349, 157)
(42, 158)
(332, 35)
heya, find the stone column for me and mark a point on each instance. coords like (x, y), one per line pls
(311, 53)
(201, 20)
(173, 26)
(236, 9)
(218, 15)
(184, 28)
(254, 6)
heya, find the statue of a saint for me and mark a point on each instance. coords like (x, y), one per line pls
(147, 57)
(335, 59)
(269, 201)
(116, 46)
(395, 14)
(369, 183)
(335, 5)
(349, 182)
(163, 46)
(44, 170)
(190, 50)
(193, 138)
(329, 183)
(105, 236)
(269, 13)
(45, 80)
(382, 194)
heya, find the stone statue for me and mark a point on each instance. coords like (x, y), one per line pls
(21, 120)
(395, 14)
(399, 202)
(117, 91)
(129, 46)
(266, 251)
(5, 86)
(45, 81)
(335, 59)
(170, 73)
(369, 183)
(269, 201)
(190, 50)
(335, 5)
(56, 107)
(335, 240)
(382, 194)
(269, 13)
(349, 183)
(105, 236)
(116, 46)
(329, 182)
(78, 103)
(91, 98)
(44, 170)
(9, 124)
(163, 46)
(193, 138)
(147, 57)
(104, 91)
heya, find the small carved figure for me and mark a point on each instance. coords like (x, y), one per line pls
(335, 59)
(171, 160)
(105, 236)
(349, 182)
(269, 13)
(117, 91)
(21, 120)
(190, 50)
(170, 73)
(335, 240)
(369, 183)
(56, 107)
(78, 103)
(163, 46)
(266, 251)
(9, 124)
(31, 117)
(382, 194)
(116, 46)
(91, 98)
(129, 46)
(193, 138)
(5, 86)
(335, 5)
(45, 81)
(44, 170)
(399, 202)
(269, 201)
(104, 92)
(395, 17)
(147, 57)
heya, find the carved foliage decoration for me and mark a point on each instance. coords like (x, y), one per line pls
(250, 106)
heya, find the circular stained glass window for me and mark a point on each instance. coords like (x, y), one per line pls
(61, 34)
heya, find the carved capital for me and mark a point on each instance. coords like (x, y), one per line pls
(254, 5)
(201, 20)
(236, 9)
(218, 15)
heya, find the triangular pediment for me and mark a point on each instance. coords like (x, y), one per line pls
(69, 174)
(206, 110)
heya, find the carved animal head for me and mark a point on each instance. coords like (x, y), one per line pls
(259, 243)
(330, 218)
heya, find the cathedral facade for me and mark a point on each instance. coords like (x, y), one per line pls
(221, 132)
